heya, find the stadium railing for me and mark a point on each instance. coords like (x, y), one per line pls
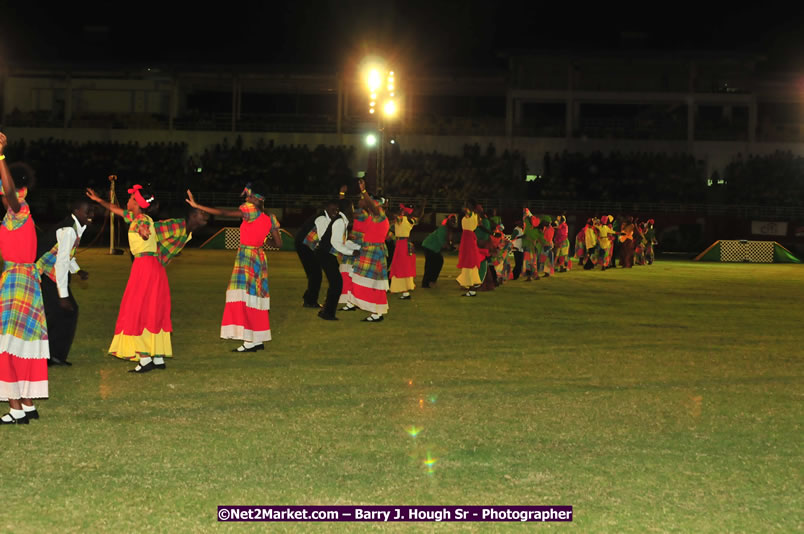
(42, 197)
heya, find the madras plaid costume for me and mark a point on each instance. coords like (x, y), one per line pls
(24, 349)
(370, 269)
(171, 238)
(246, 313)
(347, 262)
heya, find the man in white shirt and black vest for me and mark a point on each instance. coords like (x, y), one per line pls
(56, 262)
(331, 228)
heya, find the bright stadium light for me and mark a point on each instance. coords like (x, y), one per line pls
(374, 80)
(390, 108)
(371, 140)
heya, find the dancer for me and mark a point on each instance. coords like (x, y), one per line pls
(546, 255)
(248, 301)
(356, 234)
(403, 265)
(627, 243)
(370, 272)
(519, 254)
(650, 236)
(469, 256)
(562, 245)
(531, 244)
(143, 328)
(331, 226)
(605, 238)
(305, 242)
(56, 262)
(23, 333)
(433, 244)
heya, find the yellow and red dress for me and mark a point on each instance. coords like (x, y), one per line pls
(403, 264)
(143, 325)
(248, 300)
(469, 256)
(24, 348)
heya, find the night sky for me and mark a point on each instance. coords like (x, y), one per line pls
(425, 34)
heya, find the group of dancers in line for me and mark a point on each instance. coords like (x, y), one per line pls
(38, 314)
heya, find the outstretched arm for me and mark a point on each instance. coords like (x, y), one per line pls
(212, 211)
(114, 208)
(8, 183)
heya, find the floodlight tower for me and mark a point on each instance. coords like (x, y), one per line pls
(381, 83)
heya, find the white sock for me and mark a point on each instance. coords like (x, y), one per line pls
(145, 361)
(6, 418)
(406, 294)
(17, 414)
(250, 345)
(375, 315)
(26, 408)
(159, 360)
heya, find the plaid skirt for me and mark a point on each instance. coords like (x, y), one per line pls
(370, 279)
(24, 348)
(245, 315)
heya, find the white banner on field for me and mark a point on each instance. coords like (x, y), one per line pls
(768, 228)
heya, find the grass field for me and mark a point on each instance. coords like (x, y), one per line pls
(662, 398)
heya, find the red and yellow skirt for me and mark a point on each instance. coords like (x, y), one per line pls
(143, 325)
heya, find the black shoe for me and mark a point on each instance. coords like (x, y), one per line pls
(32, 415)
(405, 297)
(312, 305)
(160, 366)
(347, 309)
(55, 361)
(14, 421)
(150, 366)
(371, 319)
(242, 348)
(326, 316)
(469, 294)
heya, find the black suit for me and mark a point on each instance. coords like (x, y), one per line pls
(61, 323)
(309, 261)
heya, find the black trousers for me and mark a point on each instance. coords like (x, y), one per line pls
(313, 271)
(519, 258)
(330, 265)
(61, 323)
(433, 262)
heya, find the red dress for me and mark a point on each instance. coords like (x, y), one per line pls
(248, 300)
(24, 349)
(143, 327)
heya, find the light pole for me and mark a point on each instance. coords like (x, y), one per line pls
(381, 84)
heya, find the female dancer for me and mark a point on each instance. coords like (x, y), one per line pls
(403, 264)
(248, 301)
(370, 271)
(143, 328)
(24, 347)
(469, 256)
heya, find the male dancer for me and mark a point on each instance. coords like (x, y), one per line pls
(56, 262)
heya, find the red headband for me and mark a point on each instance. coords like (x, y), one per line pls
(142, 202)
(405, 209)
(447, 218)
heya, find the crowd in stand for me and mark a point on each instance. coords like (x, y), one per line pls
(775, 179)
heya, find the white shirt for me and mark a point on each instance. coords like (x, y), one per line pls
(516, 238)
(65, 263)
(338, 239)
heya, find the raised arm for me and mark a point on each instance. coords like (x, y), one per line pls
(114, 208)
(212, 211)
(8, 182)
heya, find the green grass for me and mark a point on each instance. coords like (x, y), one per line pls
(656, 399)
